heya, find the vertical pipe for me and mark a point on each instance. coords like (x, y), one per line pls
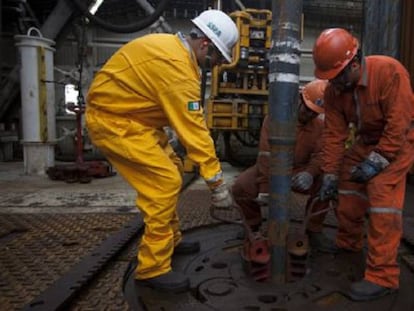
(161, 25)
(284, 59)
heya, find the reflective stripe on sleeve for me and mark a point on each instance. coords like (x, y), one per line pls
(385, 210)
(353, 192)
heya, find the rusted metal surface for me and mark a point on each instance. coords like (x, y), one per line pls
(219, 282)
(80, 172)
(105, 292)
(194, 210)
(39, 249)
(62, 291)
(256, 247)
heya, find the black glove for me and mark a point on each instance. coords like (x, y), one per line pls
(329, 188)
(368, 168)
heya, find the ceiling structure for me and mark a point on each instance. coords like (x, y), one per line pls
(128, 11)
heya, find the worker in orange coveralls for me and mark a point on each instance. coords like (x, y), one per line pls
(375, 94)
(252, 186)
(149, 83)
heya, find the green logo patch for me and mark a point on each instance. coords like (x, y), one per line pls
(193, 106)
(214, 28)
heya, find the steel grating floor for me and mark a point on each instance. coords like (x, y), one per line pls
(38, 249)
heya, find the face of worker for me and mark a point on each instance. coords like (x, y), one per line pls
(206, 48)
(304, 113)
(217, 57)
(347, 79)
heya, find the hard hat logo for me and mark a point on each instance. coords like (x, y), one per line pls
(319, 102)
(313, 93)
(214, 28)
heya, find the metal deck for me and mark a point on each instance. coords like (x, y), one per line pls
(76, 261)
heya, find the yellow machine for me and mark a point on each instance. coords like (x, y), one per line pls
(239, 91)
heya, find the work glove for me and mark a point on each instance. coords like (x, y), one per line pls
(329, 188)
(221, 197)
(302, 181)
(368, 168)
(262, 198)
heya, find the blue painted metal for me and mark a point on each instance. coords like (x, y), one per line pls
(284, 59)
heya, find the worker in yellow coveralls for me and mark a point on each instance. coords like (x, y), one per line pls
(149, 83)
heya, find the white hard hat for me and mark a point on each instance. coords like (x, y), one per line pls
(220, 29)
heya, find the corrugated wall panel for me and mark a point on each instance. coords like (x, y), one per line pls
(407, 37)
(382, 27)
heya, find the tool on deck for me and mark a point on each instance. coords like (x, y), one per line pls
(255, 251)
(298, 242)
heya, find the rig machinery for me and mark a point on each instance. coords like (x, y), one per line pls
(238, 98)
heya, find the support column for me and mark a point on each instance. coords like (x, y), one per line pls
(38, 101)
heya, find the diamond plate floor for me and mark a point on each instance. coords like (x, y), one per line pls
(46, 227)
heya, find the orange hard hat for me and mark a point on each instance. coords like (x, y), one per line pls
(333, 50)
(312, 94)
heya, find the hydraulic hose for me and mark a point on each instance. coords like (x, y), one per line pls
(127, 28)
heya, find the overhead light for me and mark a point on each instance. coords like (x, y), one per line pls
(95, 6)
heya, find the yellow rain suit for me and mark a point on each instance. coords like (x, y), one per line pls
(149, 83)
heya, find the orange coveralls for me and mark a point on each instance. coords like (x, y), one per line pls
(255, 180)
(382, 107)
(149, 83)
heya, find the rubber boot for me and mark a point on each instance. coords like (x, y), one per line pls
(365, 290)
(174, 282)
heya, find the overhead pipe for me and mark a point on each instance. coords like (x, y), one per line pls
(126, 28)
(284, 59)
(240, 4)
(160, 24)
